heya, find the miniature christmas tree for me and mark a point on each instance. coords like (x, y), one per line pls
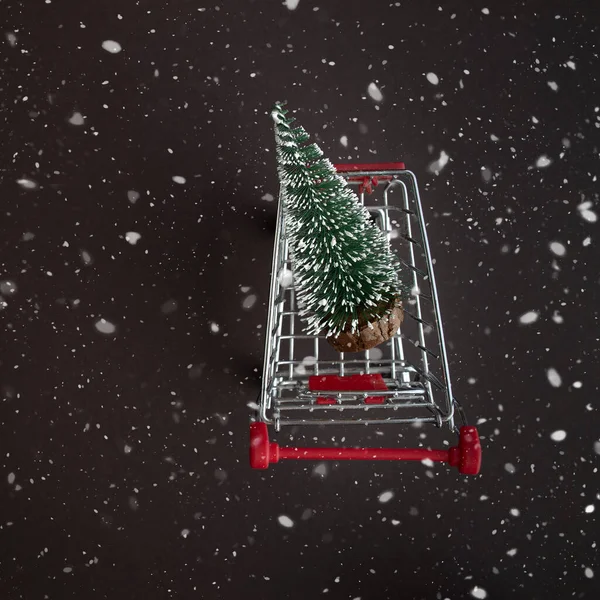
(345, 274)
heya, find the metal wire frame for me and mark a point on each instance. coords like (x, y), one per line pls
(416, 391)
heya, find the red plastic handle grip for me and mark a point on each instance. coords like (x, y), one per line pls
(466, 456)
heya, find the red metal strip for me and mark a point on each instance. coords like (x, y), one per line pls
(391, 166)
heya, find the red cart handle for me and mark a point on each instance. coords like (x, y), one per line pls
(466, 456)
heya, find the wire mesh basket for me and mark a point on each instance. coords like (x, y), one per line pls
(406, 380)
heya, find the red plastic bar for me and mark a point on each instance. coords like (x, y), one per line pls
(391, 166)
(338, 383)
(466, 456)
(362, 454)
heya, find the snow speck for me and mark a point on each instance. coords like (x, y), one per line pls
(589, 509)
(479, 593)
(104, 326)
(268, 197)
(375, 92)
(510, 468)
(111, 46)
(249, 302)
(11, 38)
(557, 317)
(86, 257)
(76, 119)
(559, 435)
(285, 521)
(543, 161)
(214, 327)
(133, 196)
(344, 141)
(27, 184)
(512, 552)
(437, 165)
(178, 179)
(553, 86)
(28, 236)
(195, 371)
(67, 570)
(589, 573)
(169, 307)
(8, 288)
(558, 248)
(529, 317)
(285, 278)
(570, 64)
(127, 449)
(553, 377)
(385, 496)
(185, 533)
(515, 512)
(11, 478)
(586, 214)
(376, 354)
(292, 4)
(133, 237)
(597, 447)
(432, 78)
(485, 11)
(320, 470)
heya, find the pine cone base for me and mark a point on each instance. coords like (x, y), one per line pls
(369, 335)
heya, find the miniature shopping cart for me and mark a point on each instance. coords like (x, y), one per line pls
(308, 386)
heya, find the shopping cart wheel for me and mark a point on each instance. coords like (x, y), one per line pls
(467, 455)
(262, 453)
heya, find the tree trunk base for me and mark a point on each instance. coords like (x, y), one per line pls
(370, 334)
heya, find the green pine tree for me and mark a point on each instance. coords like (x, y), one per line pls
(344, 270)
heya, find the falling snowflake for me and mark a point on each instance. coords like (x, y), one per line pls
(479, 593)
(292, 4)
(249, 302)
(553, 377)
(558, 248)
(437, 165)
(178, 179)
(111, 46)
(285, 521)
(386, 496)
(559, 435)
(543, 161)
(133, 237)
(76, 119)
(104, 326)
(375, 92)
(27, 184)
(285, 278)
(432, 78)
(133, 196)
(529, 317)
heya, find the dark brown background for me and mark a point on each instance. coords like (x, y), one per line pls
(112, 446)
